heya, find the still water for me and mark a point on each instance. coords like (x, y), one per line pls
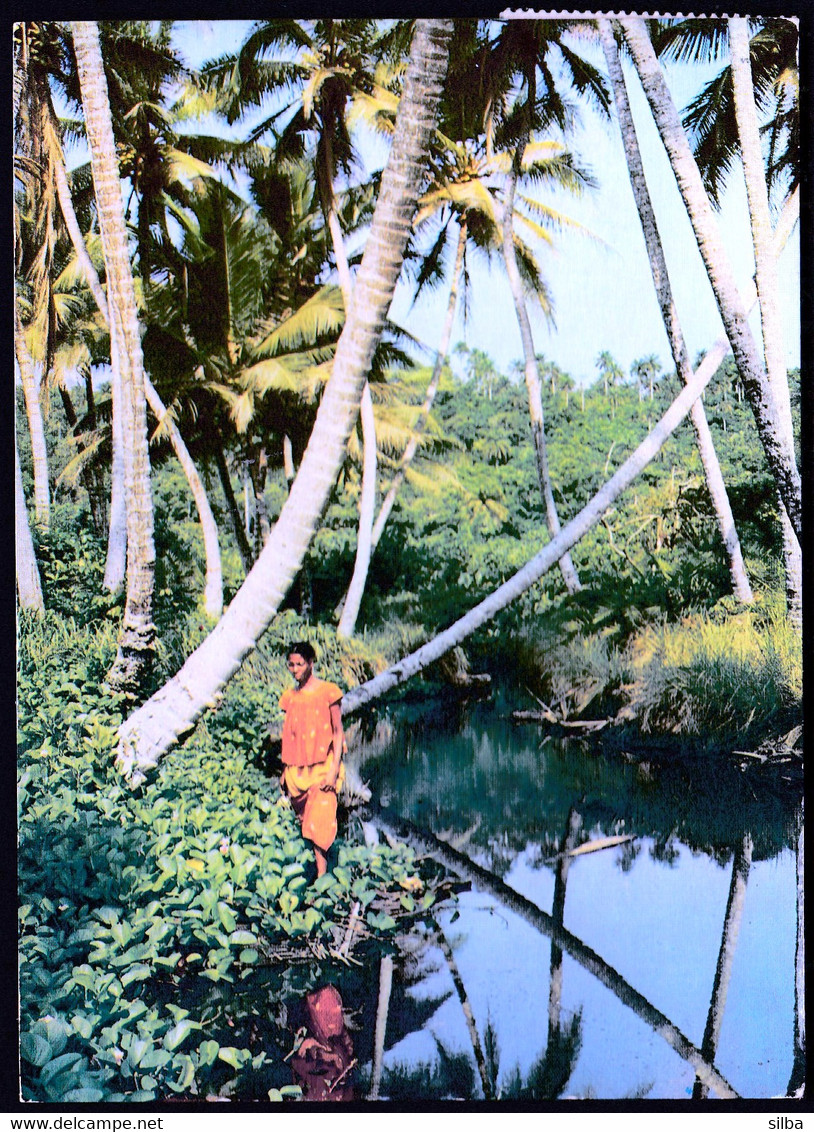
(682, 930)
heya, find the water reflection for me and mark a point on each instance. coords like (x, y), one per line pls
(507, 807)
(322, 1058)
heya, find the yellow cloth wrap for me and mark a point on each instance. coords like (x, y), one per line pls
(315, 808)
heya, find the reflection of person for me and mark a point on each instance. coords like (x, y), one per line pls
(313, 742)
(322, 1062)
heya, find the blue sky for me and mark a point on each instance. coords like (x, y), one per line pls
(602, 289)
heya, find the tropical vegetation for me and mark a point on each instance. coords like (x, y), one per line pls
(211, 401)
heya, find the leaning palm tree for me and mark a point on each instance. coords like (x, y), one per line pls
(658, 268)
(147, 734)
(779, 454)
(136, 641)
(757, 191)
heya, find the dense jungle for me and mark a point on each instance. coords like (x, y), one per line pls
(565, 611)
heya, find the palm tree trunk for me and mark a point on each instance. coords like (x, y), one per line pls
(432, 389)
(36, 428)
(213, 589)
(367, 504)
(238, 530)
(779, 454)
(147, 734)
(382, 1010)
(661, 279)
(536, 567)
(570, 944)
(741, 863)
(137, 638)
(569, 573)
(29, 588)
(116, 561)
(89, 482)
(766, 277)
(367, 508)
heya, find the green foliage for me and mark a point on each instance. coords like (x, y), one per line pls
(150, 922)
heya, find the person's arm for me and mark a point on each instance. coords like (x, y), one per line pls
(337, 746)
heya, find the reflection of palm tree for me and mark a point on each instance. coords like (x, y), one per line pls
(558, 912)
(466, 1007)
(570, 944)
(797, 1080)
(741, 863)
(382, 1010)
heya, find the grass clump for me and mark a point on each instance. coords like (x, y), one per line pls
(706, 676)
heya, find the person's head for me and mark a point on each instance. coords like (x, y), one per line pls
(301, 657)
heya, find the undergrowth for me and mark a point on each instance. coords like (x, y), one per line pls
(151, 920)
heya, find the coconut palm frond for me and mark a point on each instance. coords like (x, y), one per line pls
(323, 314)
(91, 447)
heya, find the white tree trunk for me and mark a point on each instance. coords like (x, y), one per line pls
(116, 561)
(661, 279)
(36, 428)
(569, 573)
(29, 588)
(779, 454)
(536, 567)
(352, 601)
(367, 509)
(137, 638)
(213, 589)
(432, 389)
(147, 734)
(768, 289)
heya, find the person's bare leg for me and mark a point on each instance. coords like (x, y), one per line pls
(321, 859)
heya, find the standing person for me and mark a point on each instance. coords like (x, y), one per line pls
(313, 743)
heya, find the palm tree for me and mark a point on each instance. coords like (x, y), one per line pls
(658, 267)
(710, 119)
(646, 370)
(331, 61)
(213, 589)
(757, 192)
(29, 588)
(536, 567)
(171, 712)
(36, 427)
(136, 640)
(523, 48)
(779, 454)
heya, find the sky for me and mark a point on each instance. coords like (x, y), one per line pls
(601, 285)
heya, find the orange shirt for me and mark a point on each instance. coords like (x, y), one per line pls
(307, 731)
